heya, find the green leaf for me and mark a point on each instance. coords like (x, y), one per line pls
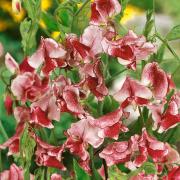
(29, 26)
(39, 174)
(49, 21)
(27, 145)
(81, 19)
(160, 53)
(149, 168)
(149, 23)
(115, 173)
(174, 33)
(64, 15)
(80, 174)
(95, 174)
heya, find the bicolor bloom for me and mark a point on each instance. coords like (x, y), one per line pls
(165, 119)
(154, 77)
(14, 173)
(129, 49)
(29, 86)
(50, 54)
(102, 10)
(93, 79)
(110, 124)
(48, 155)
(133, 91)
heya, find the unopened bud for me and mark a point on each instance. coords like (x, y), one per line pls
(16, 6)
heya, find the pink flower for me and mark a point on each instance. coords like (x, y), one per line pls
(135, 151)
(94, 79)
(143, 176)
(133, 91)
(56, 177)
(110, 124)
(50, 53)
(14, 173)
(29, 86)
(117, 152)
(101, 11)
(156, 78)
(92, 37)
(67, 96)
(48, 155)
(129, 49)
(85, 131)
(168, 119)
(13, 66)
(48, 104)
(13, 142)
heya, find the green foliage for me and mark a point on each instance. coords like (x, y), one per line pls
(149, 23)
(79, 172)
(27, 145)
(29, 26)
(70, 19)
(49, 21)
(174, 34)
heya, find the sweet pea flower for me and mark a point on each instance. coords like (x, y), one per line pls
(13, 66)
(14, 142)
(133, 91)
(29, 86)
(56, 177)
(94, 80)
(102, 10)
(110, 124)
(166, 119)
(48, 155)
(129, 49)
(14, 173)
(50, 54)
(157, 79)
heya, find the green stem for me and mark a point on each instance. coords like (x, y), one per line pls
(168, 46)
(3, 132)
(81, 8)
(142, 117)
(100, 107)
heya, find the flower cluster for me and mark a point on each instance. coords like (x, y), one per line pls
(41, 91)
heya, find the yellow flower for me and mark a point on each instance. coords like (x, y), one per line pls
(55, 35)
(42, 24)
(130, 12)
(46, 4)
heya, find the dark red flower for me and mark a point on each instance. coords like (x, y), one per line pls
(8, 103)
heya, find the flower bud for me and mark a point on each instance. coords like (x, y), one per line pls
(16, 6)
